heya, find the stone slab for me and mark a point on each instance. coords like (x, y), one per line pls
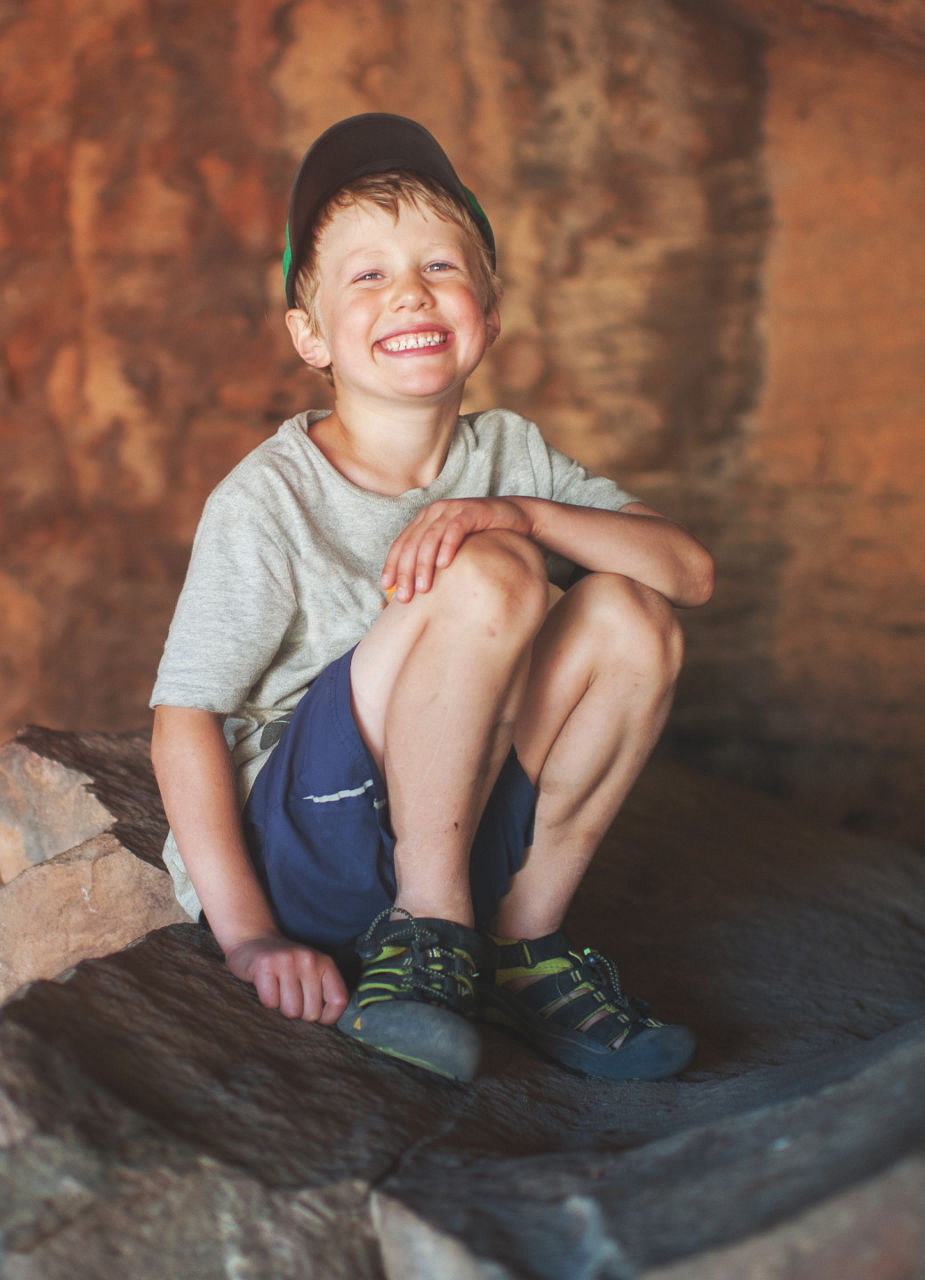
(150, 1097)
(89, 901)
(45, 809)
(118, 774)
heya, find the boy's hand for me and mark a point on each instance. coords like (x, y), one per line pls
(435, 534)
(298, 981)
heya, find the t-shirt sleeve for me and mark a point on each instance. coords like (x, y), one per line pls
(562, 479)
(559, 478)
(235, 609)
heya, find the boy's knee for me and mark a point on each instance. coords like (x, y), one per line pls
(503, 574)
(632, 620)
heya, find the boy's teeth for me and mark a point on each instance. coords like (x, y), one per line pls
(411, 341)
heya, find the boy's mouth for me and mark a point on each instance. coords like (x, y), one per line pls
(415, 341)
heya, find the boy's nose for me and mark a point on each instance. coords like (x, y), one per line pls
(410, 291)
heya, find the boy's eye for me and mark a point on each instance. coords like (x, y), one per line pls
(440, 266)
(369, 275)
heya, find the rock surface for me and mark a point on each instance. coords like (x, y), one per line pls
(115, 773)
(82, 853)
(155, 1121)
(45, 809)
(89, 901)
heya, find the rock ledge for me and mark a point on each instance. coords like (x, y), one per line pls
(155, 1121)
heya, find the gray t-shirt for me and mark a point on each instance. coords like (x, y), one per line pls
(284, 573)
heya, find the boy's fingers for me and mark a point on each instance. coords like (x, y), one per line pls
(393, 560)
(267, 985)
(426, 558)
(431, 541)
(390, 568)
(299, 982)
(412, 572)
(435, 534)
(452, 539)
(321, 995)
(276, 985)
(299, 990)
(404, 580)
(395, 570)
(334, 995)
(436, 547)
(291, 996)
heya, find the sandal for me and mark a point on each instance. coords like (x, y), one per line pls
(416, 994)
(570, 1007)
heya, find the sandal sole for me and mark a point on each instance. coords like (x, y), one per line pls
(424, 1035)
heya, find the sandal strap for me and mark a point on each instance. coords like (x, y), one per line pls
(573, 988)
(418, 959)
(526, 953)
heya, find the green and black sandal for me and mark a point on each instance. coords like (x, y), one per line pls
(416, 994)
(570, 1007)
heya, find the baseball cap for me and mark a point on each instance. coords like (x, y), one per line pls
(375, 142)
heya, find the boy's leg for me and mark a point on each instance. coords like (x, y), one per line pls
(437, 686)
(603, 673)
(601, 682)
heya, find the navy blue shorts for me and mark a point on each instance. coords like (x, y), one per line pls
(317, 824)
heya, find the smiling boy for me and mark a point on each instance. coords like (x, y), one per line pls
(373, 654)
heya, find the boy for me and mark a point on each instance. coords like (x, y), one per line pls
(429, 740)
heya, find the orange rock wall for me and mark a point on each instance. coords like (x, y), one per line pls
(842, 417)
(824, 699)
(710, 236)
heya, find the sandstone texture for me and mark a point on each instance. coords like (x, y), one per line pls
(156, 1121)
(709, 217)
(896, 26)
(829, 705)
(45, 808)
(74, 888)
(90, 901)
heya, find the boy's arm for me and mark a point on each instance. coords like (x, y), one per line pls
(635, 541)
(196, 777)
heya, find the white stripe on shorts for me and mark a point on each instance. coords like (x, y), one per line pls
(341, 795)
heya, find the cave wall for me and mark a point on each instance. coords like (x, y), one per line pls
(823, 696)
(842, 413)
(708, 219)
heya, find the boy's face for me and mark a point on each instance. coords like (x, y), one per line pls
(398, 305)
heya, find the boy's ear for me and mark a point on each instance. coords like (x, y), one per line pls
(493, 324)
(311, 346)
